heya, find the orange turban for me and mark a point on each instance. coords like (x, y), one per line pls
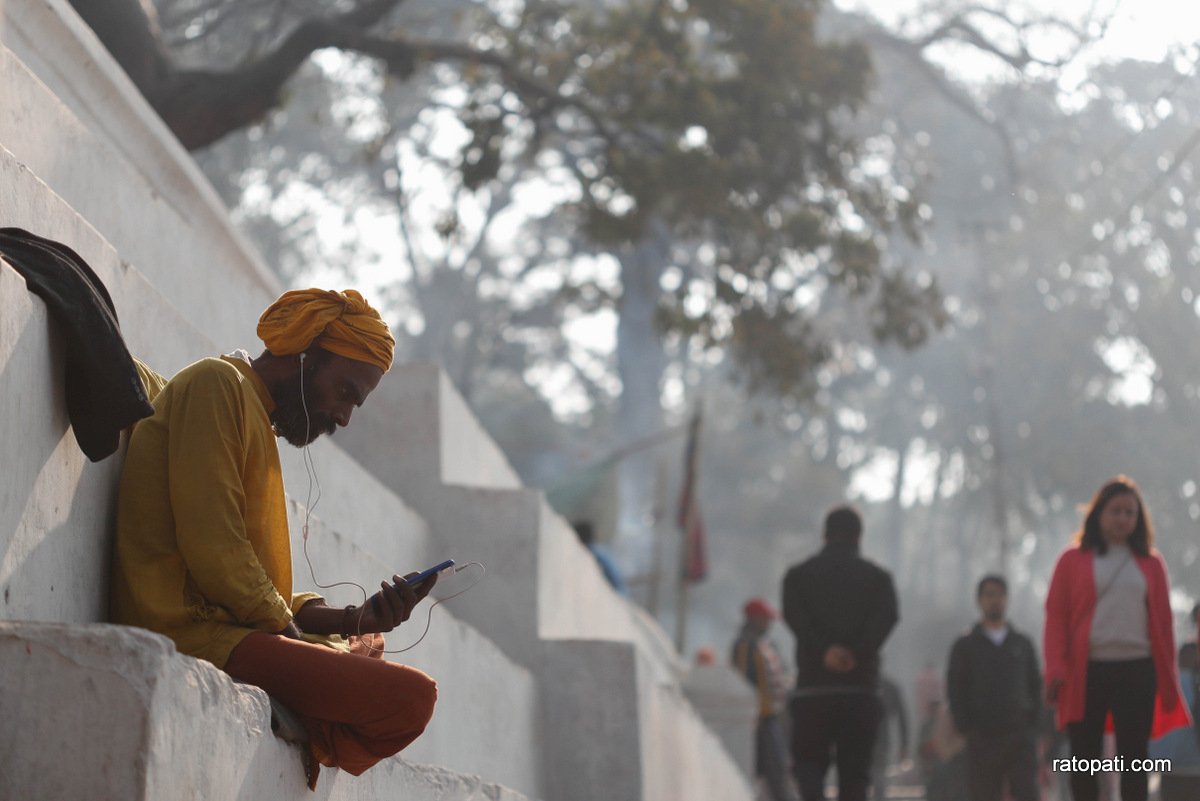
(339, 322)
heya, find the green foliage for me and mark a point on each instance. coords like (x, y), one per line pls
(480, 161)
(766, 343)
(907, 312)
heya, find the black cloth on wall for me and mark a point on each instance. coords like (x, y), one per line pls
(104, 392)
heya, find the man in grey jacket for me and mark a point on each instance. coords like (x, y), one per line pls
(995, 689)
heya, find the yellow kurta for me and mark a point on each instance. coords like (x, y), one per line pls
(202, 552)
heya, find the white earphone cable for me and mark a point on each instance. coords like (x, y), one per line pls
(310, 503)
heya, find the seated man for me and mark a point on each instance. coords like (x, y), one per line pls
(202, 548)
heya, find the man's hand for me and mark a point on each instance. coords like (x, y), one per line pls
(389, 607)
(839, 659)
(1053, 689)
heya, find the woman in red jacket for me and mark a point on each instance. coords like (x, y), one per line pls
(1109, 639)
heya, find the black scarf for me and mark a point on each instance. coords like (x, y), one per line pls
(104, 391)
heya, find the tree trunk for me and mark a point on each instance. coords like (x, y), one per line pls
(895, 524)
(641, 362)
(201, 106)
(931, 541)
(129, 29)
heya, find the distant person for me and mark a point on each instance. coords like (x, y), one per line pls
(841, 609)
(929, 694)
(1052, 745)
(1109, 640)
(608, 565)
(895, 717)
(757, 658)
(943, 757)
(1182, 746)
(995, 690)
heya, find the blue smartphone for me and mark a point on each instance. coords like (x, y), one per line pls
(421, 578)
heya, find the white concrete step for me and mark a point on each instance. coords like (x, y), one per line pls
(116, 713)
(608, 673)
(420, 439)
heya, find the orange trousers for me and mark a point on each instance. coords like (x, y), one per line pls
(358, 709)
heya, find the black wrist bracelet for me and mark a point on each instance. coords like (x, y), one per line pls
(346, 630)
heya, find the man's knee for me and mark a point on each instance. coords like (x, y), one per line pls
(419, 698)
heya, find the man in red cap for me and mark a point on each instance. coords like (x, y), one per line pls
(202, 547)
(757, 658)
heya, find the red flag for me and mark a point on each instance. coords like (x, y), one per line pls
(694, 561)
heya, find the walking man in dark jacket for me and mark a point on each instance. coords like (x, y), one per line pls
(841, 608)
(994, 687)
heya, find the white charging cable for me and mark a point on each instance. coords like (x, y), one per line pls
(310, 468)
(437, 602)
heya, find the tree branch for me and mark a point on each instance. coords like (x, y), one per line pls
(208, 28)
(913, 53)
(960, 26)
(367, 14)
(540, 96)
(202, 106)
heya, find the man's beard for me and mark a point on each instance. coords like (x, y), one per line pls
(289, 419)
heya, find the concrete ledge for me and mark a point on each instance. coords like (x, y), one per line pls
(728, 706)
(498, 528)
(686, 759)
(592, 722)
(541, 583)
(433, 437)
(116, 713)
(614, 732)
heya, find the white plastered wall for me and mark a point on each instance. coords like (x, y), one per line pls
(56, 536)
(616, 723)
(84, 161)
(185, 287)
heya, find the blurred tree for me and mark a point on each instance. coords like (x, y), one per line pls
(1070, 283)
(721, 184)
(721, 127)
(1066, 283)
(712, 157)
(709, 147)
(272, 39)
